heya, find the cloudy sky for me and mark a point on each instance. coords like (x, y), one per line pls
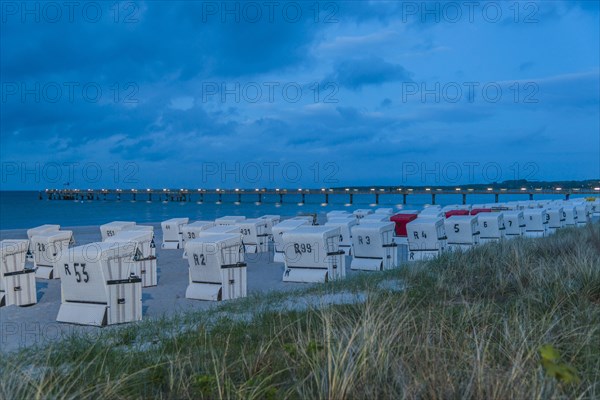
(289, 94)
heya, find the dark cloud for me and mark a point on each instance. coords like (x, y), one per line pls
(357, 73)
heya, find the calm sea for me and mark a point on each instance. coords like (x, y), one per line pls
(24, 209)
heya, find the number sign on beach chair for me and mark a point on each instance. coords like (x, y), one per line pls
(114, 227)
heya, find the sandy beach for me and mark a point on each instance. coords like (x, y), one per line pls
(26, 326)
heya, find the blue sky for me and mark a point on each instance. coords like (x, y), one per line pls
(297, 94)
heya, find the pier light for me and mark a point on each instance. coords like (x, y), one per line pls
(217, 189)
(428, 189)
(538, 189)
(134, 190)
(89, 190)
(299, 190)
(399, 189)
(576, 189)
(470, 190)
(410, 190)
(322, 189)
(523, 189)
(382, 190)
(356, 190)
(164, 190)
(558, 188)
(331, 190)
(198, 190)
(439, 190)
(347, 190)
(503, 190)
(148, 190)
(256, 190)
(181, 190)
(277, 190)
(597, 188)
(237, 190)
(458, 189)
(372, 189)
(489, 189)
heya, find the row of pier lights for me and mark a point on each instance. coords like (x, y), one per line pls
(184, 195)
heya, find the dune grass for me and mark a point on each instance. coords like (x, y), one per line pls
(468, 325)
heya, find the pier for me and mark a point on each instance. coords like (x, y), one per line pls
(257, 195)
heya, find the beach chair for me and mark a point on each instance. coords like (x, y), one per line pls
(462, 232)
(229, 220)
(17, 283)
(191, 230)
(491, 226)
(217, 270)
(426, 236)
(583, 211)
(514, 223)
(336, 214)
(345, 225)
(536, 222)
(144, 265)
(213, 230)
(361, 213)
(312, 254)
(374, 247)
(556, 219)
(34, 231)
(114, 227)
(48, 247)
(255, 235)
(99, 286)
(279, 230)
(400, 221)
(172, 233)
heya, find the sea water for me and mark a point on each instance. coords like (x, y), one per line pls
(19, 210)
